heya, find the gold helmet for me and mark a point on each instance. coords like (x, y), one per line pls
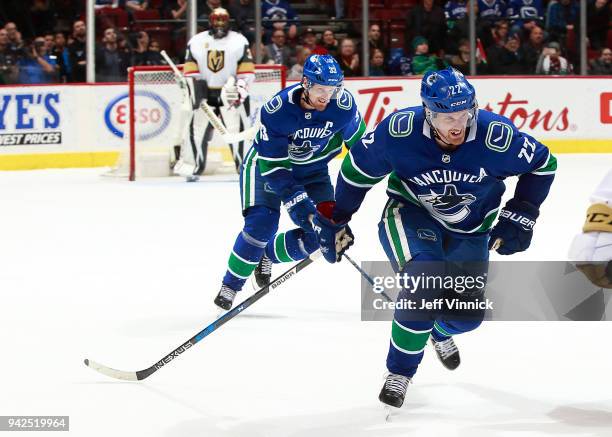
(219, 22)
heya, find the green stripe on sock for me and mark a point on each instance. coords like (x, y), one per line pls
(441, 330)
(407, 340)
(240, 268)
(401, 257)
(280, 249)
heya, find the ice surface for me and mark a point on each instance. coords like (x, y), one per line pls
(124, 272)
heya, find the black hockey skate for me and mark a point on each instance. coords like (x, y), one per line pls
(263, 272)
(394, 390)
(447, 353)
(225, 298)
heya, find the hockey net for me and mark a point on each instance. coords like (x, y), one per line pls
(158, 119)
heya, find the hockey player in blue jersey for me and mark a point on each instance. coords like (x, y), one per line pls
(302, 128)
(446, 162)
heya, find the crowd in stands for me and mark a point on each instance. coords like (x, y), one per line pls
(43, 41)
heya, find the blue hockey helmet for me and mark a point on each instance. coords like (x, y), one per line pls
(323, 70)
(447, 91)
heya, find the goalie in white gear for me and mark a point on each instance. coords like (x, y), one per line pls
(219, 68)
(591, 250)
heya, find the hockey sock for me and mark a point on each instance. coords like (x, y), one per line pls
(293, 245)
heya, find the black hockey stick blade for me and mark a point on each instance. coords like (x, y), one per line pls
(142, 374)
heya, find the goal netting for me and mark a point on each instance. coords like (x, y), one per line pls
(158, 118)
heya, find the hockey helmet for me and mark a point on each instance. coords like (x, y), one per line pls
(219, 22)
(323, 70)
(447, 91)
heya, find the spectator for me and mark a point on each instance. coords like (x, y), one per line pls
(178, 9)
(204, 9)
(143, 54)
(498, 35)
(552, 63)
(265, 59)
(329, 42)
(454, 10)
(37, 66)
(422, 62)
(375, 39)
(377, 62)
(506, 59)
(136, 5)
(309, 39)
(562, 17)
(491, 10)
(461, 61)
(602, 65)
(399, 64)
(428, 21)
(111, 61)
(297, 71)
(532, 49)
(278, 14)
(524, 14)
(62, 56)
(243, 12)
(278, 52)
(8, 62)
(348, 58)
(14, 36)
(598, 19)
(49, 42)
(77, 52)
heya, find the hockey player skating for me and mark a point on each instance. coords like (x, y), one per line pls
(219, 69)
(302, 128)
(591, 250)
(447, 161)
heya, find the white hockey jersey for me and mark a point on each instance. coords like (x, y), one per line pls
(216, 59)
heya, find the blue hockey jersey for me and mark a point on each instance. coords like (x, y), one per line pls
(462, 189)
(293, 143)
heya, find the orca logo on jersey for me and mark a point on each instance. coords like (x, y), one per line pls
(450, 206)
(216, 60)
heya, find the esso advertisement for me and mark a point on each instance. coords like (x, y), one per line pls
(152, 115)
(30, 118)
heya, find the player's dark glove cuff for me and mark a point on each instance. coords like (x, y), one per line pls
(515, 227)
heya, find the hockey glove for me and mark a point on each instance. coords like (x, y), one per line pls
(515, 227)
(334, 238)
(300, 208)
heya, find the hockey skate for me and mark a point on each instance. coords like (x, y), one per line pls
(394, 390)
(225, 298)
(447, 353)
(263, 272)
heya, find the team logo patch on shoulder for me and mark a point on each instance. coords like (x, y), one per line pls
(345, 100)
(400, 124)
(273, 105)
(499, 136)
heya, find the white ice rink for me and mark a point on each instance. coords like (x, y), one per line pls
(122, 273)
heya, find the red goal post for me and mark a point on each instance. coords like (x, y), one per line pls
(157, 116)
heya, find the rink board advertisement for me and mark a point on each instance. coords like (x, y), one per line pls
(86, 125)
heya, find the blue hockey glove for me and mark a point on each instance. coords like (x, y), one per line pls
(300, 208)
(334, 238)
(515, 227)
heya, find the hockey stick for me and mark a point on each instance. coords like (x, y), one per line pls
(142, 374)
(365, 275)
(216, 123)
